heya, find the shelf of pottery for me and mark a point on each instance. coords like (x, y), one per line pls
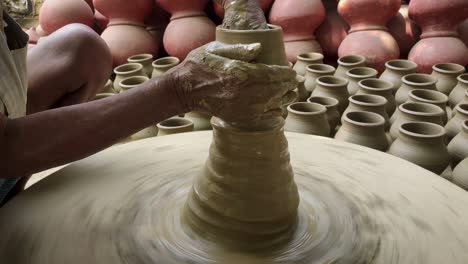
(378, 73)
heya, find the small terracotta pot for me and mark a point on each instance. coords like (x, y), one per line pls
(333, 115)
(381, 88)
(416, 112)
(334, 87)
(431, 97)
(423, 144)
(363, 128)
(368, 103)
(132, 82)
(458, 93)
(144, 59)
(356, 75)
(454, 126)
(313, 72)
(460, 174)
(412, 82)
(161, 66)
(125, 71)
(307, 118)
(446, 74)
(55, 14)
(175, 125)
(200, 121)
(306, 59)
(347, 63)
(458, 147)
(395, 70)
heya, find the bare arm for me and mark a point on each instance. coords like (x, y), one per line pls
(55, 137)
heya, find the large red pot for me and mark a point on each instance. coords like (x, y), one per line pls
(299, 20)
(55, 14)
(134, 10)
(331, 32)
(101, 20)
(463, 30)
(368, 35)
(440, 42)
(264, 4)
(404, 30)
(189, 27)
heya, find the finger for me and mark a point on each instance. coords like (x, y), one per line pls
(242, 52)
(289, 98)
(272, 113)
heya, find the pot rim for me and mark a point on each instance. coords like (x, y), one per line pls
(182, 123)
(389, 85)
(354, 99)
(358, 60)
(457, 68)
(315, 56)
(332, 102)
(135, 68)
(438, 130)
(340, 81)
(102, 96)
(330, 68)
(371, 73)
(402, 108)
(465, 126)
(378, 119)
(140, 57)
(250, 31)
(138, 79)
(430, 80)
(463, 78)
(161, 62)
(462, 108)
(410, 65)
(319, 109)
(443, 99)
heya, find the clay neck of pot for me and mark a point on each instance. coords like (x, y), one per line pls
(363, 123)
(306, 112)
(463, 81)
(187, 13)
(319, 70)
(420, 81)
(376, 86)
(422, 133)
(439, 30)
(291, 37)
(401, 66)
(462, 111)
(366, 27)
(251, 177)
(435, 117)
(448, 69)
(125, 22)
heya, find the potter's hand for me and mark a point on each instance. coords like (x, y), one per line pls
(243, 14)
(217, 79)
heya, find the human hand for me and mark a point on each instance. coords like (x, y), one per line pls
(219, 80)
(243, 14)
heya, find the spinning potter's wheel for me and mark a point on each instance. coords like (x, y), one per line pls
(125, 205)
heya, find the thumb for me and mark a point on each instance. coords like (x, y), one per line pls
(242, 52)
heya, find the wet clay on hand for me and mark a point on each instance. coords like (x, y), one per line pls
(243, 15)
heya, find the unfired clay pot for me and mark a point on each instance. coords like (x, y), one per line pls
(440, 41)
(404, 31)
(299, 20)
(356, 75)
(431, 97)
(189, 28)
(132, 82)
(332, 31)
(458, 93)
(307, 118)
(200, 121)
(334, 87)
(465, 100)
(313, 72)
(446, 74)
(306, 59)
(395, 70)
(264, 5)
(460, 174)
(423, 144)
(55, 14)
(175, 125)
(333, 116)
(162, 65)
(144, 59)
(454, 126)
(418, 112)
(363, 128)
(368, 35)
(368, 103)
(463, 30)
(347, 63)
(458, 147)
(379, 87)
(125, 71)
(412, 82)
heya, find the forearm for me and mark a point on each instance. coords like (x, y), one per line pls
(55, 137)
